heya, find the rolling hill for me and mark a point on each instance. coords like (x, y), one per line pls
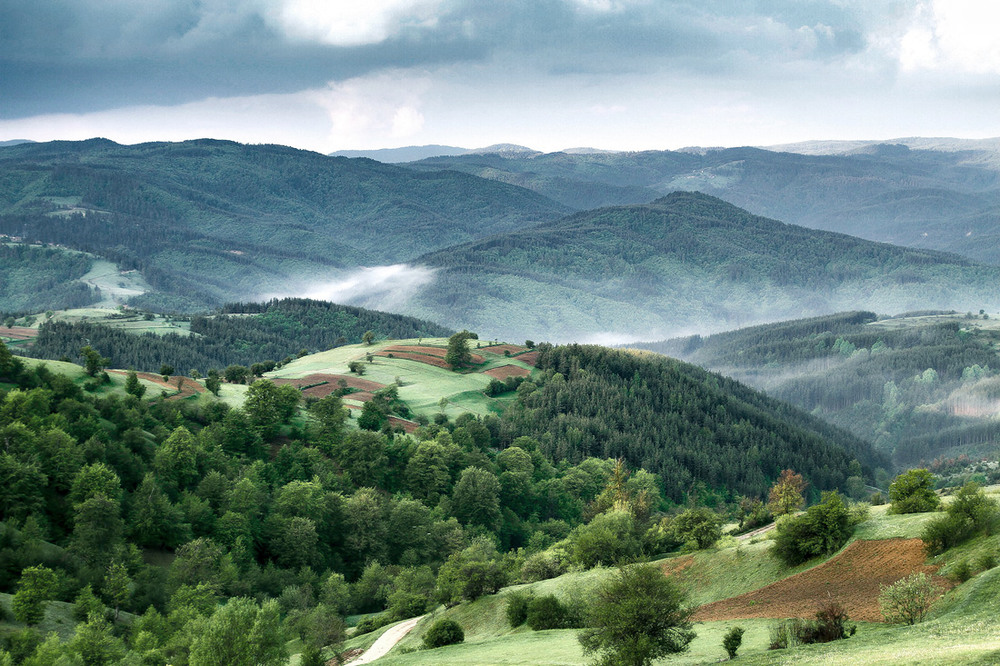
(213, 221)
(920, 387)
(941, 194)
(687, 262)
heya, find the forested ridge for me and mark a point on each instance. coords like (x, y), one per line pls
(918, 387)
(941, 199)
(686, 425)
(245, 333)
(34, 279)
(208, 221)
(685, 261)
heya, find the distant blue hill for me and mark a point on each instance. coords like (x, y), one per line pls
(404, 154)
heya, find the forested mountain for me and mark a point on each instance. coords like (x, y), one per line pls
(210, 221)
(686, 262)
(244, 333)
(941, 198)
(692, 428)
(920, 387)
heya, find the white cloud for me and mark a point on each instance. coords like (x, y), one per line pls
(350, 22)
(378, 287)
(953, 35)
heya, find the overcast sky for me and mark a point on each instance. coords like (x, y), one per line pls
(551, 74)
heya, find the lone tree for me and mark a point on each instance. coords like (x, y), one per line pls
(638, 616)
(36, 587)
(93, 362)
(913, 492)
(458, 355)
(786, 493)
(133, 386)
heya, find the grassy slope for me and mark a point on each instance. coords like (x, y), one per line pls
(423, 385)
(962, 628)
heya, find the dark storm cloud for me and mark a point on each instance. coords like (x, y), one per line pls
(88, 55)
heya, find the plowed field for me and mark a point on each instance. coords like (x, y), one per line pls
(530, 358)
(851, 579)
(18, 333)
(422, 358)
(436, 352)
(500, 349)
(321, 390)
(505, 371)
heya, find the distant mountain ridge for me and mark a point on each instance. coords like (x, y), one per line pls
(687, 262)
(210, 221)
(940, 194)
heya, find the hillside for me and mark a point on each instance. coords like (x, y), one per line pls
(239, 333)
(687, 262)
(212, 221)
(941, 195)
(920, 387)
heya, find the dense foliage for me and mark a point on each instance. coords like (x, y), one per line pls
(883, 379)
(686, 261)
(34, 279)
(821, 530)
(244, 334)
(686, 425)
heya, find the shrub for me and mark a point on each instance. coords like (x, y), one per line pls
(702, 526)
(986, 561)
(371, 623)
(783, 634)
(517, 608)
(732, 640)
(913, 492)
(821, 530)
(970, 513)
(542, 566)
(546, 613)
(443, 632)
(907, 600)
(961, 572)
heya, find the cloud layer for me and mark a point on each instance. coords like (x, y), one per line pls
(550, 73)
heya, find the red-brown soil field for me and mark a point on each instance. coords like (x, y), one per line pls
(530, 358)
(422, 358)
(505, 371)
(500, 349)
(18, 333)
(437, 352)
(331, 385)
(851, 579)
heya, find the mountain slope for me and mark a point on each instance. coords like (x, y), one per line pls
(209, 221)
(919, 387)
(687, 262)
(940, 197)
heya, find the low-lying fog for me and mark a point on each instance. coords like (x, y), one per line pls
(386, 288)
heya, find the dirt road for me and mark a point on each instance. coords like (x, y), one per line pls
(386, 641)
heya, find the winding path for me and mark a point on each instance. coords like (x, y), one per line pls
(386, 641)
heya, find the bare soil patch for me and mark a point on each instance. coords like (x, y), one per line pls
(851, 579)
(500, 349)
(18, 333)
(422, 358)
(332, 382)
(436, 352)
(505, 371)
(408, 426)
(676, 565)
(530, 358)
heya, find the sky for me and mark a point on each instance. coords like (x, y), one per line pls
(330, 75)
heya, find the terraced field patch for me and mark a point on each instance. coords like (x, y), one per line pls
(322, 385)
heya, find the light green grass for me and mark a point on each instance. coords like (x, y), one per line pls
(423, 385)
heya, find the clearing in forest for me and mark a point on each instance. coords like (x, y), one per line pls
(851, 579)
